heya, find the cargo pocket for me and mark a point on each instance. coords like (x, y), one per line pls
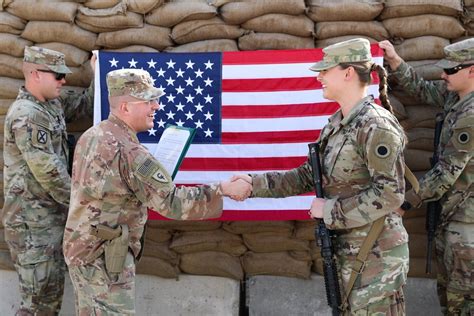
(462, 276)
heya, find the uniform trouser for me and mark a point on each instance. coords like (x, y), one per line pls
(393, 305)
(36, 253)
(455, 260)
(98, 292)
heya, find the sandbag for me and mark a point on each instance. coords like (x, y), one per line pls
(79, 126)
(420, 138)
(258, 41)
(4, 106)
(184, 225)
(219, 45)
(6, 262)
(149, 35)
(156, 234)
(273, 242)
(143, 6)
(101, 4)
(298, 25)
(333, 40)
(373, 29)
(212, 263)
(418, 160)
(400, 8)
(11, 66)
(415, 225)
(80, 76)
(426, 24)
(420, 116)
(13, 44)
(43, 32)
(135, 49)
(9, 88)
(239, 12)
(43, 10)
(305, 230)
(417, 244)
(160, 250)
(213, 240)
(73, 55)
(275, 263)
(197, 30)
(158, 267)
(247, 227)
(427, 69)
(343, 10)
(417, 268)
(172, 13)
(423, 47)
(219, 3)
(99, 24)
(398, 107)
(11, 24)
(300, 255)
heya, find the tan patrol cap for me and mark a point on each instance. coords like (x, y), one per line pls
(457, 54)
(353, 50)
(134, 82)
(52, 59)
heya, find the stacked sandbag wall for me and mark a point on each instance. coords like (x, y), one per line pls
(420, 29)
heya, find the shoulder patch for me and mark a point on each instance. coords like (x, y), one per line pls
(462, 138)
(151, 169)
(383, 149)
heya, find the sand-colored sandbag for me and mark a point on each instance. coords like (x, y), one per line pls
(80, 76)
(399, 8)
(305, 230)
(212, 263)
(219, 45)
(135, 49)
(43, 32)
(427, 69)
(198, 30)
(372, 29)
(417, 244)
(398, 107)
(333, 40)
(157, 267)
(149, 35)
(120, 8)
(420, 116)
(239, 12)
(101, 4)
(300, 255)
(43, 10)
(317, 266)
(160, 250)
(172, 13)
(415, 225)
(5, 105)
(185, 225)
(99, 24)
(275, 263)
(213, 240)
(156, 234)
(343, 10)
(73, 55)
(417, 159)
(423, 47)
(6, 262)
(425, 24)
(219, 3)
(11, 66)
(143, 6)
(402, 95)
(298, 25)
(248, 227)
(420, 138)
(273, 242)
(9, 87)
(418, 266)
(11, 24)
(79, 126)
(258, 41)
(13, 45)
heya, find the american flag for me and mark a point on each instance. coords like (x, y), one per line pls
(253, 111)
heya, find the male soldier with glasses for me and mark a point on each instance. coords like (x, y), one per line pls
(36, 180)
(451, 179)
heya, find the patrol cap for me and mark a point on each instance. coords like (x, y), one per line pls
(134, 82)
(52, 59)
(457, 54)
(353, 50)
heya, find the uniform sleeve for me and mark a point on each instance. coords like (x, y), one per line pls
(78, 105)
(383, 150)
(457, 154)
(154, 187)
(433, 93)
(33, 139)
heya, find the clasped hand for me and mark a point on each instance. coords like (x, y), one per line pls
(238, 188)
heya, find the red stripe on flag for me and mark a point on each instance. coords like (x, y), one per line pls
(271, 57)
(270, 137)
(274, 84)
(250, 215)
(287, 110)
(236, 164)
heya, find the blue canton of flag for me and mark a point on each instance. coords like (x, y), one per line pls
(192, 85)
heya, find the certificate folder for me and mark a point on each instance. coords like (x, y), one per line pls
(172, 147)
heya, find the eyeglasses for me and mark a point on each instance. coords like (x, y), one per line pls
(57, 75)
(452, 71)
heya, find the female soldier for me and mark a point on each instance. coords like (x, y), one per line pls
(363, 179)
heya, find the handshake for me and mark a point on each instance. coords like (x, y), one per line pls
(238, 188)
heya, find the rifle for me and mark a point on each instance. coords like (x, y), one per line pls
(324, 237)
(71, 144)
(433, 209)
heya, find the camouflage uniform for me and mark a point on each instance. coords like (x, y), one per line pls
(450, 180)
(363, 180)
(37, 186)
(114, 180)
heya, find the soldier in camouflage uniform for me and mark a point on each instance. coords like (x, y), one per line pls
(451, 180)
(114, 180)
(36, 180)
(363, 179)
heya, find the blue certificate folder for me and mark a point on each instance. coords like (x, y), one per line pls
(172, 147)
